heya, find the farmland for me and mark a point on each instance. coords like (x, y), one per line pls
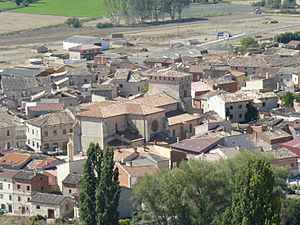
(79, 8)
(6, 4)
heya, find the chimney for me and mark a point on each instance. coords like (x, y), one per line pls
(129, 164)
(177, 140)
(70, 150)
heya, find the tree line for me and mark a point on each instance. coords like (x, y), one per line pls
(144, 10)
(246, 190)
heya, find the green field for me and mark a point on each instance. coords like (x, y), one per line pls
(79, 8)
(7, 4)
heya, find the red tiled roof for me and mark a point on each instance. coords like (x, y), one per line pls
(47, 107)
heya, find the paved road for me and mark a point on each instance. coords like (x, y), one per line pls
(214, 43)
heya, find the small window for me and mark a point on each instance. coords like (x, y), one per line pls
(37, 145)
(71, 130)
(64, 131)
(240, 106)
(70, 191)
(1, 186)
(19, 198)
(231, 107)
(42, 188)
(121, 85)
(10, 198)
(32, 131)
(7, 133)
(28, 142)
(38, 207)
(18, 186)
(8, 186)
(264, 104)
(1, 196)
(240, 115)
(46, 133)
(191, 128)
(28, 199)
(28, 188)
(33, 144)
(55, 133)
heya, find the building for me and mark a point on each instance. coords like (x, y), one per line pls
(177, 84)
(87, 52)
(239, 77)
(35, 109)
(6, 190)
(108, 91)
(50, 132)
(293, 45)
(52, 206)
(129, 83)
(196, 146)
(234, 106)
(12, 133)
(25, 185)
(129, 174)
(274, 137)
(15, 160)
(85, 40)
(71, 185)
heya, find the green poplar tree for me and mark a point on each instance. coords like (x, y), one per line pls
(255, 201)
(88, 187)
(108, 191)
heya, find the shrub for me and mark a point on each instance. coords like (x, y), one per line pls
(104, 25)
(124, 222)
(74, 21)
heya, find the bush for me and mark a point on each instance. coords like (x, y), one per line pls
(74, 21)
(104, 25)
(124, 222)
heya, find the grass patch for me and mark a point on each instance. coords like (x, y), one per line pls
(78, 8)
(202, 10)
(6, 4)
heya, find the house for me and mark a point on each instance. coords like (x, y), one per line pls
(6, 190)
(219, 153)
(36, 109)
(25, 185)
(239, 77)
(293, 145)
(70, 167)
(129, 83)
(85, 40)
(196, 146)
(130, 174)
(197, 72)
(200, 88)
(12, 133)
(158, 62)
(87, 52)
(80, 75)
(50, 132)
(201, 102)
(287, 158)
(21, 88)
(293, 45)
(15, 160)
(263, 80)
(182, 125)
(225, 83)
(108, 91)
(176, 83)
(71, 185)
(52, 206)
(235, 105)
(274, 137)
(40, 49)
(22, 72)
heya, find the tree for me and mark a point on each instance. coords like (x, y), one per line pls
(73, 21)
(88, 188)
(291, 211)
(180, 5)
(256, 201)
(249, 43)
(108, 191)
(251, 114)
(287, 100)
(100, 192)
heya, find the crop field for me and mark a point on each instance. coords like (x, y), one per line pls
(203, 10)
(11, 22)
(78, 8)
